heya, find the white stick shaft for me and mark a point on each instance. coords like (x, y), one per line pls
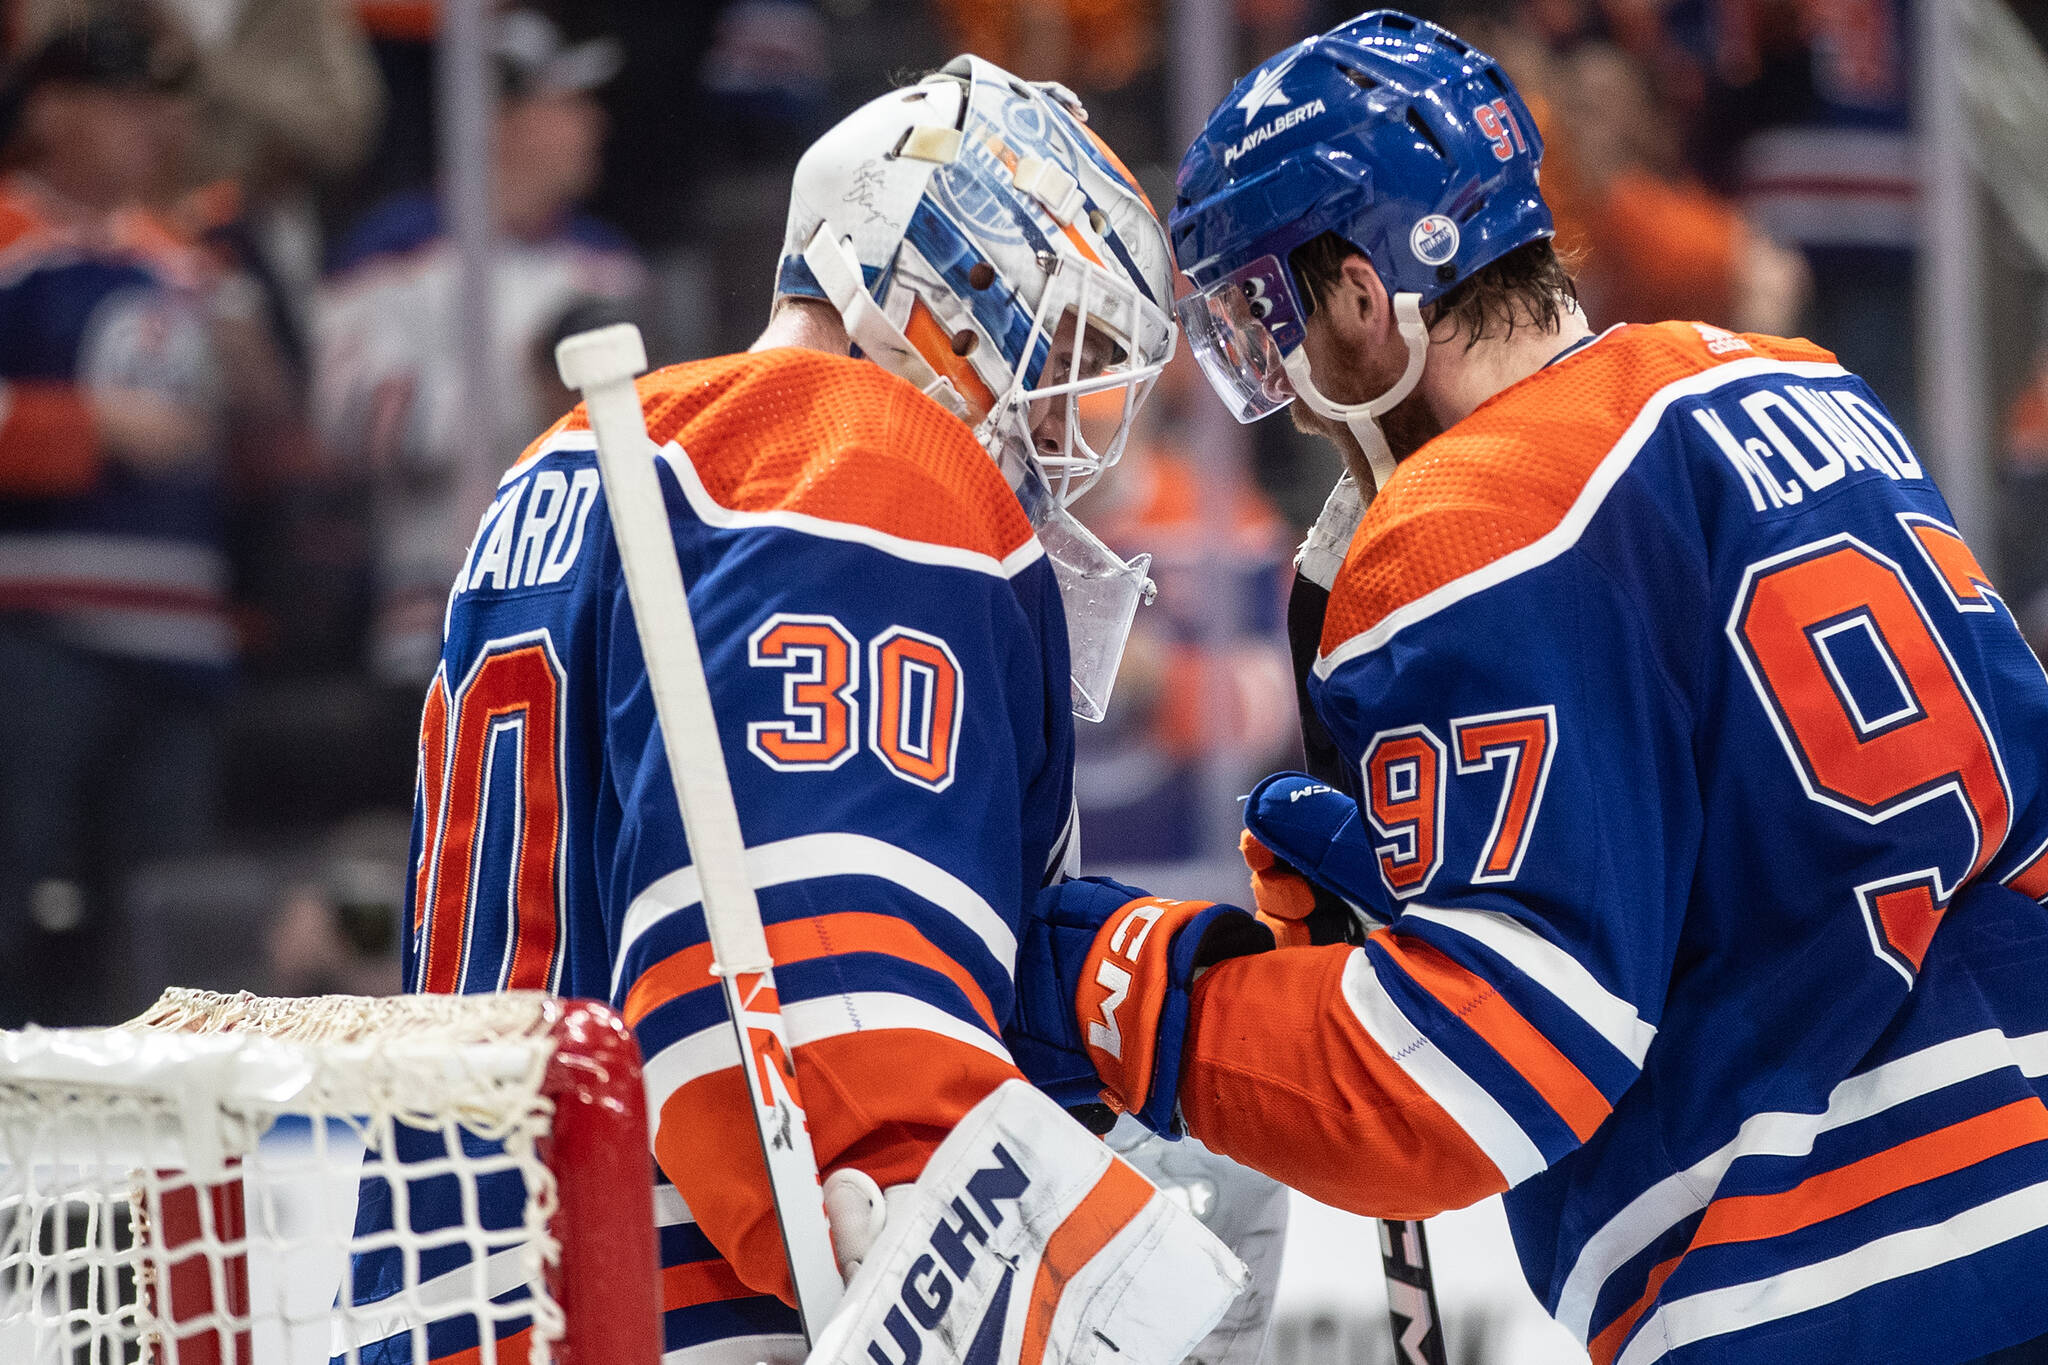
(696, 761)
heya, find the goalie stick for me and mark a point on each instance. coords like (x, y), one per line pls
(602, 364)
(1404, 1248)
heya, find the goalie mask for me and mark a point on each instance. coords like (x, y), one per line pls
(980, 242)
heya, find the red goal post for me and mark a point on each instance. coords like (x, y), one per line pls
(180, 1190)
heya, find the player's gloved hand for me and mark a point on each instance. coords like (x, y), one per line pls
(1315, 873)
(1300, 913)
(1103, 973)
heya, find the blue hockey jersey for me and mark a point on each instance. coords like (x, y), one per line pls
(887, 659)
(1708, 779)
(120, 556)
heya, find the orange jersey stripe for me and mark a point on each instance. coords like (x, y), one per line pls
(1280, 1074)
(1748, 1218)
(791, 430)
(850, 931)
(1474, 1000)
(513, 1348)
(1507, 475)
(49, 441)
(1103, 1212)
(1604, 1347)
(684, 1286)
(882, 1100)
(1753, 1217)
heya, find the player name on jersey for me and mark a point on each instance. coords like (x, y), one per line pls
(532, 533)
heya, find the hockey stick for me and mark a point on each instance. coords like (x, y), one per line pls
(602, 363)
(1404, 1249)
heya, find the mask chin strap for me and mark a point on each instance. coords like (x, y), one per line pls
(838, 273)
(1363, 418)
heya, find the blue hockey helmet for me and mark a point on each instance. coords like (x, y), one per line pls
(1392, 133)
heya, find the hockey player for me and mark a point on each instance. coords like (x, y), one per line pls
(876, 564)
(1698, 788)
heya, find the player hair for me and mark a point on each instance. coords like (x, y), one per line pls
(1528, 287)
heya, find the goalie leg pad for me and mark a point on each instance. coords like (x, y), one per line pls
(1028, 1242)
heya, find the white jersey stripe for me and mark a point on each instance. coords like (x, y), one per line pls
(1735, 1307)
(1464, 1099)
(1552, 968)
(714, 1048)
(766, 1349)
(810, 856)
(1683, 1193)
(366, 1324)
(1566, 533)
(669, 1209)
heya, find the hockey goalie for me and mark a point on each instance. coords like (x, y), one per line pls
(897, 617)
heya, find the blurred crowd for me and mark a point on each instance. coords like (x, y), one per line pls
(240, 458)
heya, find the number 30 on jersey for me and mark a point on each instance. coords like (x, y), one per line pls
(912, 699)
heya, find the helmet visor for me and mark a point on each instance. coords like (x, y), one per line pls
(1231, 327)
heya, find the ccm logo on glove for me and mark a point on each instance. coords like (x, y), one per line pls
(1121, 1040)
(1103, 1034)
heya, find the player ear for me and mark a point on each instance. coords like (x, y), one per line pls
(1360, 301)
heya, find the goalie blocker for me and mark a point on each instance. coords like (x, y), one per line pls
(1025, 1241)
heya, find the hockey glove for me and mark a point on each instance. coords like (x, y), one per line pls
(1103, 973)
(1315, 873)
(1300, 913)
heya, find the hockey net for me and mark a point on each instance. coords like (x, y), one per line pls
(183, 1189)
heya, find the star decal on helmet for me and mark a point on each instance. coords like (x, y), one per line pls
(1266, 92)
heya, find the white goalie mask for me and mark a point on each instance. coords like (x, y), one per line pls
(980, 242)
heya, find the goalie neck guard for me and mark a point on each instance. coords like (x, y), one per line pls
(1397, 136)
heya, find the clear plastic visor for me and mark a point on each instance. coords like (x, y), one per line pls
(1224, 328)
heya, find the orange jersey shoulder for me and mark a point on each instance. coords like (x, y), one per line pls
(843, 440)
(1508, 474)
(30, 236)
(23, 228)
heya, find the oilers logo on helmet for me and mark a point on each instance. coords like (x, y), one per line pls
(1434, 240)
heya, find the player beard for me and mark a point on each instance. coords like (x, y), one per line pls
(1408, 427)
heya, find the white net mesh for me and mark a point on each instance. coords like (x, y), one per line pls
(184, 1190)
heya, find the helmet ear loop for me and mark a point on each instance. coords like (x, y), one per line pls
(1363, 418)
